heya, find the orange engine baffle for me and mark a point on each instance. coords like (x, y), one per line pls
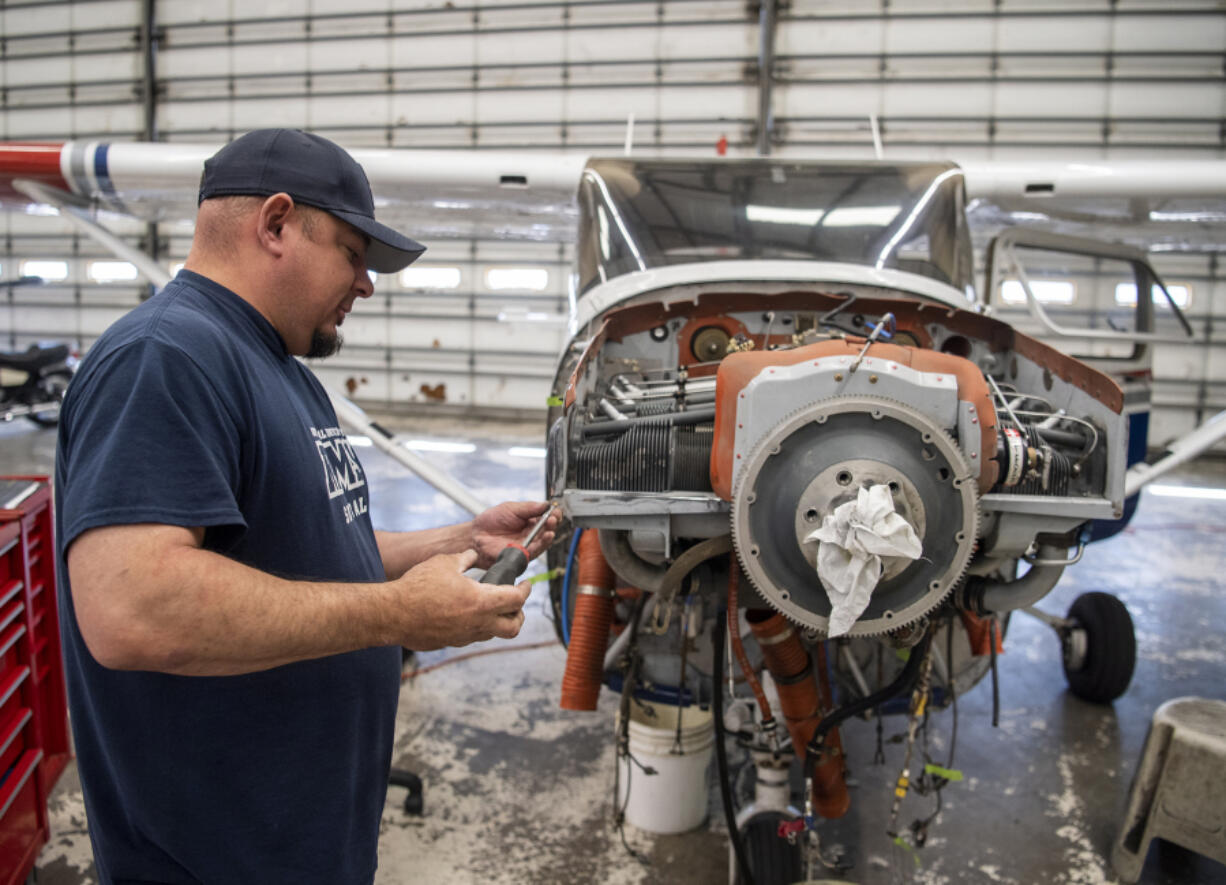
(738, 369)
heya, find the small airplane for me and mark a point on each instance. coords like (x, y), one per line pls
(788, 429)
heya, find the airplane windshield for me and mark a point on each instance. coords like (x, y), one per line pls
(641, 214)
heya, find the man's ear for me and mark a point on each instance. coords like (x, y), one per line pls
(270, 224)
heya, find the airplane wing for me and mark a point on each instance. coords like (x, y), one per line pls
(522, 195)
(1169, 207)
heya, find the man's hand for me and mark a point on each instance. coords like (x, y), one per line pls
(443, 608)
(509, 523)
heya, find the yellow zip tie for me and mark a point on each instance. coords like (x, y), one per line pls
(553, 401)
(950, 774)
(905, 846)
(546, 576)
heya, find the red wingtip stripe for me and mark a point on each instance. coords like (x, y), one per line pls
(37, 161)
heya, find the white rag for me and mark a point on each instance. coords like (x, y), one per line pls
(853, 541)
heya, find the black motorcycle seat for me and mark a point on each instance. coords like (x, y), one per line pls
(34, 357)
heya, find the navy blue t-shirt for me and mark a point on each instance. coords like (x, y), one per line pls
(190, 412)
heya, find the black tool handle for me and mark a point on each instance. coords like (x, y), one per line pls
(509, 565)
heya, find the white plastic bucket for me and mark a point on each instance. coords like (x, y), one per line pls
(674, 799)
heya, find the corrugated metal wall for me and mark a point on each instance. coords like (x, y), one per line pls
(978, 78)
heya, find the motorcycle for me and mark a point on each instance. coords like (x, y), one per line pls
(33, 382)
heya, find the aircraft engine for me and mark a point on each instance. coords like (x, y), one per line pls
(699, 421)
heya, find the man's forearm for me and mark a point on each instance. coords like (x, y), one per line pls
(147, 597)
(400, 551)
(222, 617)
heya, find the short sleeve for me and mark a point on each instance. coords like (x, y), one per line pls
(147, 439)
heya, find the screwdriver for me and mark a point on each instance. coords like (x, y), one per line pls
(512, 561)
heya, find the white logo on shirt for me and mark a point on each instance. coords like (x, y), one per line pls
(342, 471)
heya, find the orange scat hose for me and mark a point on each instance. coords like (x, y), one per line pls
(589, 637)
(734, 634)
(979, 634)
(803, 701)
(830, 794)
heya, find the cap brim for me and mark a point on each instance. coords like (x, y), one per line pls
(387, 251)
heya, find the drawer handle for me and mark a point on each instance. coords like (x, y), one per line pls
(15, 781)
(9, 616)
(11, 589)
(24, 715)
(13, 635)
(13, 683)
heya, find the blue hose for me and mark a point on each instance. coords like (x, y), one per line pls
(565, 607)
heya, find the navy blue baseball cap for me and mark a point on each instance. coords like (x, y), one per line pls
(315, 172)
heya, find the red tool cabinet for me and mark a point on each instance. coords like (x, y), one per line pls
(34, 743)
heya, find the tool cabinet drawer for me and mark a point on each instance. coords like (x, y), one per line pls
(22, 818)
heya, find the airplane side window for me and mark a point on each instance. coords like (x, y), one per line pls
(1047, 291)
(1126, 294)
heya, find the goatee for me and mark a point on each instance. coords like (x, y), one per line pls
(323, 344)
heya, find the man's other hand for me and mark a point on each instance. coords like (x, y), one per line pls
(509, 523)
(442, 607)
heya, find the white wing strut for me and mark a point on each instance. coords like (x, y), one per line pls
(348, 413)
(80, 219)
(354, 418)
(1181, 450)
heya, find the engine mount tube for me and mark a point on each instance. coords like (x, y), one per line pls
(622, 641)
(1002, 596)
(676, 573)
(589, 635)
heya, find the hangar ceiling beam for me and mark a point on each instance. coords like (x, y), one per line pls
(767, 20)
(149, 98)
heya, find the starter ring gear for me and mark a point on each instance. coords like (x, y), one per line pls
(858, 440)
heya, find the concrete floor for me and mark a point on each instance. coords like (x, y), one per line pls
(518, 791)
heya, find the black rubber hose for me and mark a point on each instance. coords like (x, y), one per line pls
(903, 682)
(721, 752)
(995, 682)
(1062, 437)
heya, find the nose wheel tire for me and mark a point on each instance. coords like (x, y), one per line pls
(1100, 648)
(773, 860)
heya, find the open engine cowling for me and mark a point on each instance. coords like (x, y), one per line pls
(702, 418)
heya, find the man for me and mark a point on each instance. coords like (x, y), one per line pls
(232, 624)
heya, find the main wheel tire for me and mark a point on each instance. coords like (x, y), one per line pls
(772, 860)
(1110, 648)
